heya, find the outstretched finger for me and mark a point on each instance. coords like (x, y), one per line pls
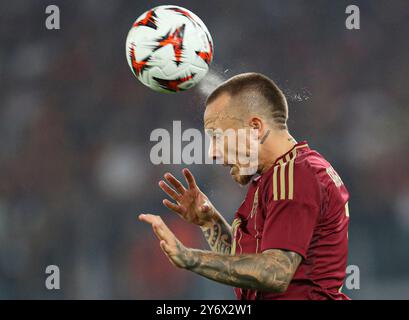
(162, 230)
(174, 207)
(148, 218)
(190, 179)
(159, 227)
(169, 191)
(175, 183)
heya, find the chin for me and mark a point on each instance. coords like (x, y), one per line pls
(241, 179)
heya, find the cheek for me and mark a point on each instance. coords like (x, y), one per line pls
(229, 152)
(245, 144)
(227, 149)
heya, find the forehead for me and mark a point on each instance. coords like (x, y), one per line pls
(216, 109)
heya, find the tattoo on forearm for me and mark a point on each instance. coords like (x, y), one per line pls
(218, 236)
(268, 271)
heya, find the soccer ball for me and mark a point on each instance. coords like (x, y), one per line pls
(169, 49)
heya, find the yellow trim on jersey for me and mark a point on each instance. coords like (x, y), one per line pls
(301, 146)
(275, 183)
(253, 211)
(285, 179)
(282, 180)
(291, 176)
(234, 226)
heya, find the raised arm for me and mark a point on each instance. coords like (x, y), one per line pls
(271, 270)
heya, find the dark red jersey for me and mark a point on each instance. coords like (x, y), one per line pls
(300, 204)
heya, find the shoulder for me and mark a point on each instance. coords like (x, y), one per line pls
(313, 171)
(309, 165)
(304, 175)
(307, 175)
(316, 165)
(293, 179)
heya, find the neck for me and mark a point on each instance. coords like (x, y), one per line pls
(274, 147)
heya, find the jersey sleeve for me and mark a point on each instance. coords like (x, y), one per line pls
(292, 209)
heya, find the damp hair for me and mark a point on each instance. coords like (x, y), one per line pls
(258, 94)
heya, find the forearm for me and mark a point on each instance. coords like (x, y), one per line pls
(262, 271)
(218, 234)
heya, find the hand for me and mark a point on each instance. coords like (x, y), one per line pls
(191, 204)
(177, 253)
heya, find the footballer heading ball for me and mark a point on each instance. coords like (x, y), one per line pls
(169, 49)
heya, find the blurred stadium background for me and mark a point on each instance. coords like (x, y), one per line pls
(75, 126)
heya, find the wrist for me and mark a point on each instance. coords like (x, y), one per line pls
(192, 258)
(213, 219)
(206, 225)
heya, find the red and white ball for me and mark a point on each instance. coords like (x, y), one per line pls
(169, 49)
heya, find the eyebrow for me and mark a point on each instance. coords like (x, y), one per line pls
(209, 120)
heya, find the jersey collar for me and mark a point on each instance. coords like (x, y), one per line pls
(290, 154)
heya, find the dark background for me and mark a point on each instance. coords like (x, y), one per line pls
(75, 125)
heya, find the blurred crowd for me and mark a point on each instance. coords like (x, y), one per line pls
(75, 124)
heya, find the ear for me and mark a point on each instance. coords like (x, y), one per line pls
(258, 124)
